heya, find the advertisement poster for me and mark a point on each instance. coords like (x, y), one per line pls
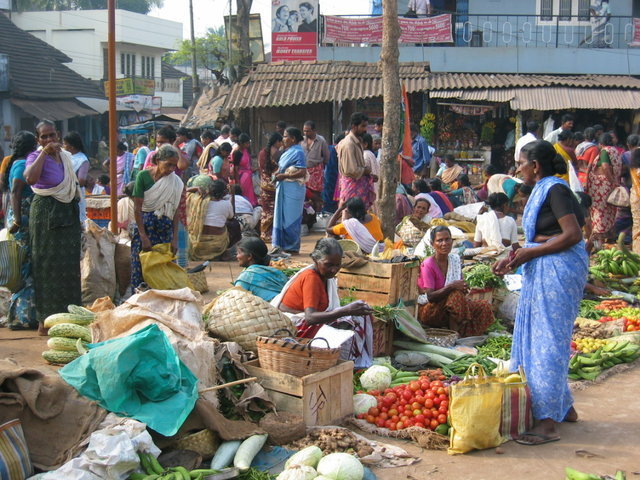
(294, 30)
(435, 29)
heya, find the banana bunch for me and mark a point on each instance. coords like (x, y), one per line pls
(590, 366)
(613, 261)
(155, 471)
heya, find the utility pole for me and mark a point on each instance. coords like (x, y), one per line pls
(392, 96)
(194, 67)
(113, 124)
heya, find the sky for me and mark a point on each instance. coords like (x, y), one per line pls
(210, 13)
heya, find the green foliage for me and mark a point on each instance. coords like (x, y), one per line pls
(138, 6)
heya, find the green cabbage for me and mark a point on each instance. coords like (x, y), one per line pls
(377, 377)
(309, 456)
(341, 466)
(362, 402)
(298, 472)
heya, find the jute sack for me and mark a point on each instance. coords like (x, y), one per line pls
(239, 316)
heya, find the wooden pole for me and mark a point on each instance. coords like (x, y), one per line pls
(113, 124)
(194, 67)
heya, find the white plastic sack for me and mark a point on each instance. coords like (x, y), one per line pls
(470, 211)
(98, 268)
(111, 453)
(574, 181)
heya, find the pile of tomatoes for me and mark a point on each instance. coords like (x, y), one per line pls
(420, 403)
(632, 325)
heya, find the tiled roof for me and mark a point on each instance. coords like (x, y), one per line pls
(453, 81)
(295, 83)
(36, 70)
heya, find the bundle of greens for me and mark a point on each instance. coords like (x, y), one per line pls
(481, 276)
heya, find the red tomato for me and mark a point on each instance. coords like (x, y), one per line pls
(434, 424)
(444, 403)
(415, 405)
(410, 422)
(443, 397)
(361, 416)
(428, 403)
(430, 395)
(436, 383)
(434, 412)
(374, 411)
(384, 409)
(388, 423)
(420, 399)
(427, 413)
(407, 394)
(437, 401)
(385, 415)
(395, 418)
(388, 390)
(443, 410)
(414, 385)
(419, 424)
(404, 418)
(399, 425)
(425, 385)
(419, 393)
(420, 418)
(407, 411)
(446, 390)
(380, 423)
(392, 426)
(389, 398)
(442, 419)
(417, 412)
(392, 412)
(371, 419)
(440, 391)
(375, 393)
(402, 402)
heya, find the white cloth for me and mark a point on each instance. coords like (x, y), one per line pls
(574, 182)
(522, 141)
(454, 271)
(553, 136)
(163, 197)
(362, 345)
(547, 127)
(359, 234)
(98, 190)
(434, 209)
(243, 205)
(419, 6)
(218, 212)
(371, 161)
(68, 188)
(506, 230)
(494, 184)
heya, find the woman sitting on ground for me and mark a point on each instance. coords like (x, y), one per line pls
(363, 228)
(441, 198)
(495, 228)
(310, 299)
(419, 220)
(423, 190)
(258, 277)
(442, 301)
(464, 194)
(207, 215)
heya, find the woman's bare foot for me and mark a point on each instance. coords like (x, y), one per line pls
(571, 416)
(545, 431)
(43, 332)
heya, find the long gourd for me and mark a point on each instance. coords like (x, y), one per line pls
(225, 454)
(432, 359)
(426, 348)
(247, 451)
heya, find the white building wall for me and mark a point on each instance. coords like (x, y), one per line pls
(82, 35)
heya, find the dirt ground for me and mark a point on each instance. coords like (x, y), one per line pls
(608, 429)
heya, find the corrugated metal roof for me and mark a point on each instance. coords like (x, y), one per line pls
(487, 95)
(563, 97)
(296, 83)
(449, 81)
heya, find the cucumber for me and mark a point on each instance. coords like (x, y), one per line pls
(434, 358)
(426, 348)
(248, 450)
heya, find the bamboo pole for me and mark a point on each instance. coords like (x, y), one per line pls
(113, 125)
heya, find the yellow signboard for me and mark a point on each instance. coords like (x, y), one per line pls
(132, 86)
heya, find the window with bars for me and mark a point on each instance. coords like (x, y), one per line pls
(583, 10)
(546, 10)
(564, 13)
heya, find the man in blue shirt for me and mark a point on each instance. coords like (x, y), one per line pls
(421, 153)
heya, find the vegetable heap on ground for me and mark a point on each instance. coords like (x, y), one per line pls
(308, 464)
(612, 265)
(69, 334)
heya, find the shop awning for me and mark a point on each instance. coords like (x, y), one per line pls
(549, 98)
(53, 110)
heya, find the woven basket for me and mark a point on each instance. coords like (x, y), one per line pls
(239, 316)
(295, 356)
(441, 337)
(205, 443)
(199, 281)
(349, 246)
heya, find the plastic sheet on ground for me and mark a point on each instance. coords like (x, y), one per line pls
(111, 452)
(138, 376)
(177, 313)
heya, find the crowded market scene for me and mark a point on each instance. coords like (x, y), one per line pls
(260, 287)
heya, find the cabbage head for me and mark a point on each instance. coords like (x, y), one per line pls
(377, 377)
(298, 472)
(362, 402)
(341, 466)
(309, 456)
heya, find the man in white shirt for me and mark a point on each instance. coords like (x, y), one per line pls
(566, 123)
(530, 136)
(421, 7)
(224, 135)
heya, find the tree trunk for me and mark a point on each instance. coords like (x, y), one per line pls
(242, 23)
(392, 98)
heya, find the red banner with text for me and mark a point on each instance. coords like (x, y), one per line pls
(294, 30)
(369, 30)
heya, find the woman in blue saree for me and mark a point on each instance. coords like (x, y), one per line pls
(258, 277)
(290, 193)
(555, 265)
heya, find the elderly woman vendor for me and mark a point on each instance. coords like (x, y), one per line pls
(442, 297)
(310, 299)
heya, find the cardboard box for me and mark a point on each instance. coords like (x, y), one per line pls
(322, 398)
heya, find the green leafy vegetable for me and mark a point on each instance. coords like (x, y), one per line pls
(587, 310)
(481, 276)
(496, 347)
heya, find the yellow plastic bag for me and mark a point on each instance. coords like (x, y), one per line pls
(160, 272)
(475, 408)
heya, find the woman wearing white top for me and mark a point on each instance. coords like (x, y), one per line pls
(499, 229)
(73, 144)
(207, 213)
